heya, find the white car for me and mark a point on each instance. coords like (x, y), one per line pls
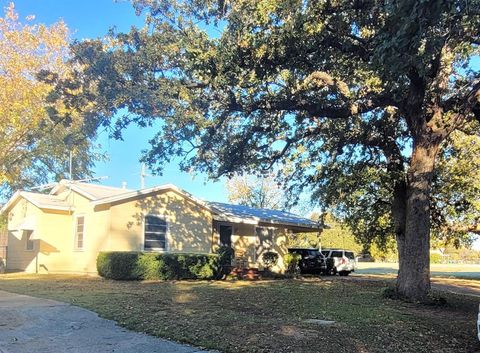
(341, 261)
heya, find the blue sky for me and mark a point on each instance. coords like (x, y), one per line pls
(91, 19)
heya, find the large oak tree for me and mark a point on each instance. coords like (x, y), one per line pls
(361, 93)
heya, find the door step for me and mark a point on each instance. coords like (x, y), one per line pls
(250, 274)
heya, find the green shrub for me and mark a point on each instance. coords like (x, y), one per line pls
(270, 259)
(148, 266)
(291, 263)
(117, 265)
(152, 266)
(225, 256)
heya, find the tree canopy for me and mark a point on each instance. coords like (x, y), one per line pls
(34, 148)
(351, 100)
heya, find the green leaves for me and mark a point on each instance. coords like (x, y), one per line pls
(332, 95)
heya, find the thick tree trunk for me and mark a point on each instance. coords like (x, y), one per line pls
(413, 280)
(399, 215)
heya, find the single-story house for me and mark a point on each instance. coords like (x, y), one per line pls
(63, 231)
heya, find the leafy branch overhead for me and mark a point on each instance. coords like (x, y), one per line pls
(281, 72)
(352, 100)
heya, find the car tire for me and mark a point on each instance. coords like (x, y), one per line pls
(344, 273)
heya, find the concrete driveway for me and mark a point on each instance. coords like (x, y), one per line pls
(29, 324)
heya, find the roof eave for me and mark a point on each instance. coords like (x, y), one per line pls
(39, 205)
(225, 218)
(10, 202)
(145, 192)
(56, 208)
(291, 224)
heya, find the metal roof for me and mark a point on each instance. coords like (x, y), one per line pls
(42, 201)
(90, 191)
(100, 194)
(263, 215)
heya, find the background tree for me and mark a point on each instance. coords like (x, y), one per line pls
(455, 206)
(337, 235)
(259, 192)
(34, 148)
(456, 191)
(342, 97)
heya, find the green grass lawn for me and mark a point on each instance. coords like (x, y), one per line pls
(267, 316)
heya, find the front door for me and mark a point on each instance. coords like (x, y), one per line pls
(226, 235)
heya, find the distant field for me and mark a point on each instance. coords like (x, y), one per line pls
(437, 270)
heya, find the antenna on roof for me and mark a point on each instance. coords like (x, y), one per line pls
(70, 166)
(43, 187)
(143, 174)
(51, 185)
(89, 179)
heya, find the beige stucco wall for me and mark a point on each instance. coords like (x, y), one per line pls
(54, 235)
(60, 233)
(189, 225)
(18, 258)
(248, 246)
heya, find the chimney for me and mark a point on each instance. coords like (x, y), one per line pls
(124, 185)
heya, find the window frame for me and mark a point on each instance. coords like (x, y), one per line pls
(167, 232)
(28, 234)
(75, 232)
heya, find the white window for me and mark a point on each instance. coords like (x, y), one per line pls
(29, 245)
(155, 233)
(79, 232)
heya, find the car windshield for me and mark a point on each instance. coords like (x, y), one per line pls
(313, 252)
(337, 254)
(350, 255)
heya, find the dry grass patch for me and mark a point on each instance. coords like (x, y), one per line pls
(267, 316)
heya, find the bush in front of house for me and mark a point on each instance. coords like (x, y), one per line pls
(225, 257)
(291, 261)
(121, 265)
(270, 259)
(117, 265)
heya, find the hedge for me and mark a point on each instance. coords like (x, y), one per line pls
(121, 265)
